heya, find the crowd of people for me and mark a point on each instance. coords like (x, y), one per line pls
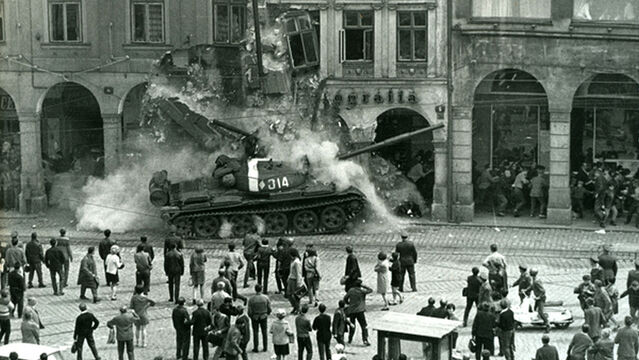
(606, 190)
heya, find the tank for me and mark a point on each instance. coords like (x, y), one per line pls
(287, 199)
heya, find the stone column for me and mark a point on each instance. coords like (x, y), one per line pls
(439, 207)
(462, 184)
(559, 204)
(112, 141)
(32, 197)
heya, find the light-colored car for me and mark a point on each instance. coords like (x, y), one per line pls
(30, 351)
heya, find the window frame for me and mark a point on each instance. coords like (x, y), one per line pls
(605, 22)
(295, 17)
(147, 4)
(366, 31)
(64, 4)
(511, 19)
(412, 28)
(3, 32)
(230, 4)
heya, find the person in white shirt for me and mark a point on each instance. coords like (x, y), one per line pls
(113, 266)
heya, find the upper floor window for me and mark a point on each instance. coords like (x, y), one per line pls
(229, 21)
(598, 10)
(525, 9)
(412, 33)
(302, 40)
(65, 21)
(147, 21)
(356, 39)
(1, 20)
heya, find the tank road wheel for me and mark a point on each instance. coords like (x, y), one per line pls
(333, 218)
(183, 226)
(305, 221)
(276, 223)
(206, 226)
(241, 224)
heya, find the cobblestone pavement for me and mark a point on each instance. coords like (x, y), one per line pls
(446, 255)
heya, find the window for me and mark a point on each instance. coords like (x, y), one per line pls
(356, 39)
(229, 21)
(597, 10)
(1, 20)
(412, 33)
(531, 9)
(302, 40)
(64, 21)
(147, 22)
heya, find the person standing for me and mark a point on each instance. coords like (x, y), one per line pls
(628, 341)
(537, 195)
(221, 278)
(341, 324)
(473, 283)
(633, 299)
(243, 323)
(113, 266)
(506, 330)
(407, 260)
(602, 301)
(233, 262)
(604, 348)
(6, 309)
(263, 257)
(580, 344)
(585, 290)
(104, 248)
(221, 326)
(356, 310)
(17, 288)
(30, 330)
(352, 272)
(250, 244)
(65, 245)
(14, 255)
(523, 283)
(146, 247)
(540, 298)
(35, 256)
(196, 268)
(608, 264)
(546, 351)
(312, 276)
(295, 280)
(485, 290)
(633, 275)
(140, 304)
(123, 325)
(143, 266)
(232, 347)
(303, 328)
(259, 308)
(174, 268)
(85, 324)
(594, 317)
(396, 278)
(383, 277)
(182, 326)
(201, 322)
(88, 277)
(482, 331)
(281, 332)
(35, 314)
(322, 327)
(54, 261)
(282, 267)
(497, 269)
(218, 296)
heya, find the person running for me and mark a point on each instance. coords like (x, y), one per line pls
(355, 298)
(540, 298)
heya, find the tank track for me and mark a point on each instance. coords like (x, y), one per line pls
(287, 208)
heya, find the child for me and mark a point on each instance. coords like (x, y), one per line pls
(282, 334)
(16, 289)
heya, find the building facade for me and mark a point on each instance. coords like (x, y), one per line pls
(550, 82)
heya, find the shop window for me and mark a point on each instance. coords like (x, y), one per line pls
(147, 19)
(356, 38)
(597, 10)
(531, 9)
(64, 21)
(1, 20)
(229, 21)
(412, 37)
(302, 41)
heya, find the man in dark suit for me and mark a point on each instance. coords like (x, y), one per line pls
(352, 272)
(441, 311)
(428, 310)
(174, 269)
(85, 324)
(473, 283)
(63, 243)
(322, 327)
(54, 261)
(182, 326)
(104, 248)
(35, 256)
(341, 323)
(201, 321)
(16, 289)
(482, 331)
(407, 260)
(506, 330)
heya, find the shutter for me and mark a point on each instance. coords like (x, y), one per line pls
(342, 44)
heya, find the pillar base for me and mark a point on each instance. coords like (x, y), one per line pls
(463, 213)
(559, 216)
(33, 204)
(439, 212)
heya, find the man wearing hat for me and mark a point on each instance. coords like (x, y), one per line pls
(407, 260)
(585, 290)
(540, 298)
(523, 283)
(608, 264)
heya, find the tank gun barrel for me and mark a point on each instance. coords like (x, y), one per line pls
(228, 127)
(388, 142)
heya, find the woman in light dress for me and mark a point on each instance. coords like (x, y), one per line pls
(383, 277)
(113, 266)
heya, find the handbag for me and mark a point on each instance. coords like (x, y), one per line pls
(465, 292)
(472, 345)
(214, 338)
(74, 347)
(111, 339)
(301, 291)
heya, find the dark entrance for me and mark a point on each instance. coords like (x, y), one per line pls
(10, 163)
